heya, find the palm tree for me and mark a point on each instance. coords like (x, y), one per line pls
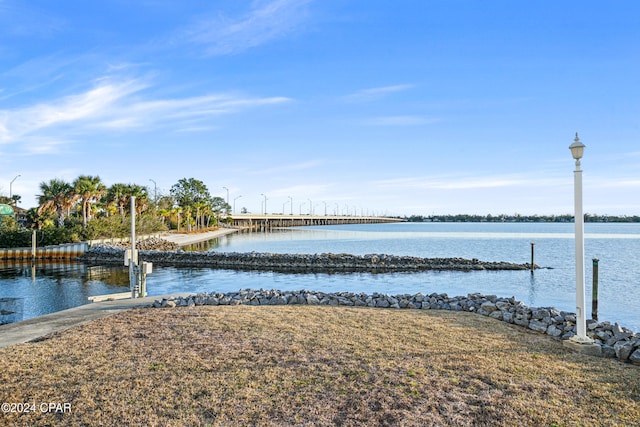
(57, 196)
(117, 195)
(88, 189)
(142, 197)
(38, 220)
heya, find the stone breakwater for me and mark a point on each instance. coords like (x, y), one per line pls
(151, 244)
(614, 340)
(327, 262)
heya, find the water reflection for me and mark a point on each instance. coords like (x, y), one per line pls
(11, 310)
(532, 289)
(30, 289)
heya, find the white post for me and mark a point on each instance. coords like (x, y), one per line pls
(581, 321)
(579, 223)
(34, 251)
(134, 259)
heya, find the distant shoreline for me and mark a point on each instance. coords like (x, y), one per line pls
(522, 218)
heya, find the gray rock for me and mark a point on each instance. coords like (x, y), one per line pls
(382, 302)
(498, 315)
(540, 314)
(312, 300)
(502, 305)
(507, 317)
(554, 331)
(607, 351)
(489, 307)
(623, 350)
(538, 326)
(619, 336)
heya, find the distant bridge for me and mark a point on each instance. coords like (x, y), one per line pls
(267, 221)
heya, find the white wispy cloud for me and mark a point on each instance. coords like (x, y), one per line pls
(264, 22)
(115, 104)
(94, 103)
(373, 94)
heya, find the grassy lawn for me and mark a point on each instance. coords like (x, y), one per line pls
(311, 365)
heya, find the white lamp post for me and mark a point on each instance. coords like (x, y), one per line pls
(577, 149)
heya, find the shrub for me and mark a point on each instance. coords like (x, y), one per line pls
(72, 232)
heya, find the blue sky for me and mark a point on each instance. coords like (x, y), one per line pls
(400, 108)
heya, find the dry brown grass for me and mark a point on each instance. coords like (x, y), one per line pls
(302, 365)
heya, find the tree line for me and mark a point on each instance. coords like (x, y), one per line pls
(86, 208)
(520, 218)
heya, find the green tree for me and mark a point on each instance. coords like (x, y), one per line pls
(142, 197)
(89, 189)
(119, 196)
(12, 201)
(219, 206)
(40, 220)
(57, 197)
(190, 195)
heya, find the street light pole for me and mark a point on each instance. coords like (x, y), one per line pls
(11, 185)
(265, 203)
(291, 207)
(227, 194)
(155, 193)
(577, 149)
(234, 203)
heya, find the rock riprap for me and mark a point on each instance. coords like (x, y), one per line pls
(326, 262)
(151, 244)
(614, 340)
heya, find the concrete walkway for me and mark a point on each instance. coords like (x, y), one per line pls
(37, 327)
(188, 239)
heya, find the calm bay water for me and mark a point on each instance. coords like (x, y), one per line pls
(46, 288)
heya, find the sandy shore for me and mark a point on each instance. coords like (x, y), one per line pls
(188, 239)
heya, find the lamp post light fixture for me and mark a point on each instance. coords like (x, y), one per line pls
(155, 193)
(577, 150)
(290, 207)
(11, 185)
(265, 203)
(234, 203)
(227, 194)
